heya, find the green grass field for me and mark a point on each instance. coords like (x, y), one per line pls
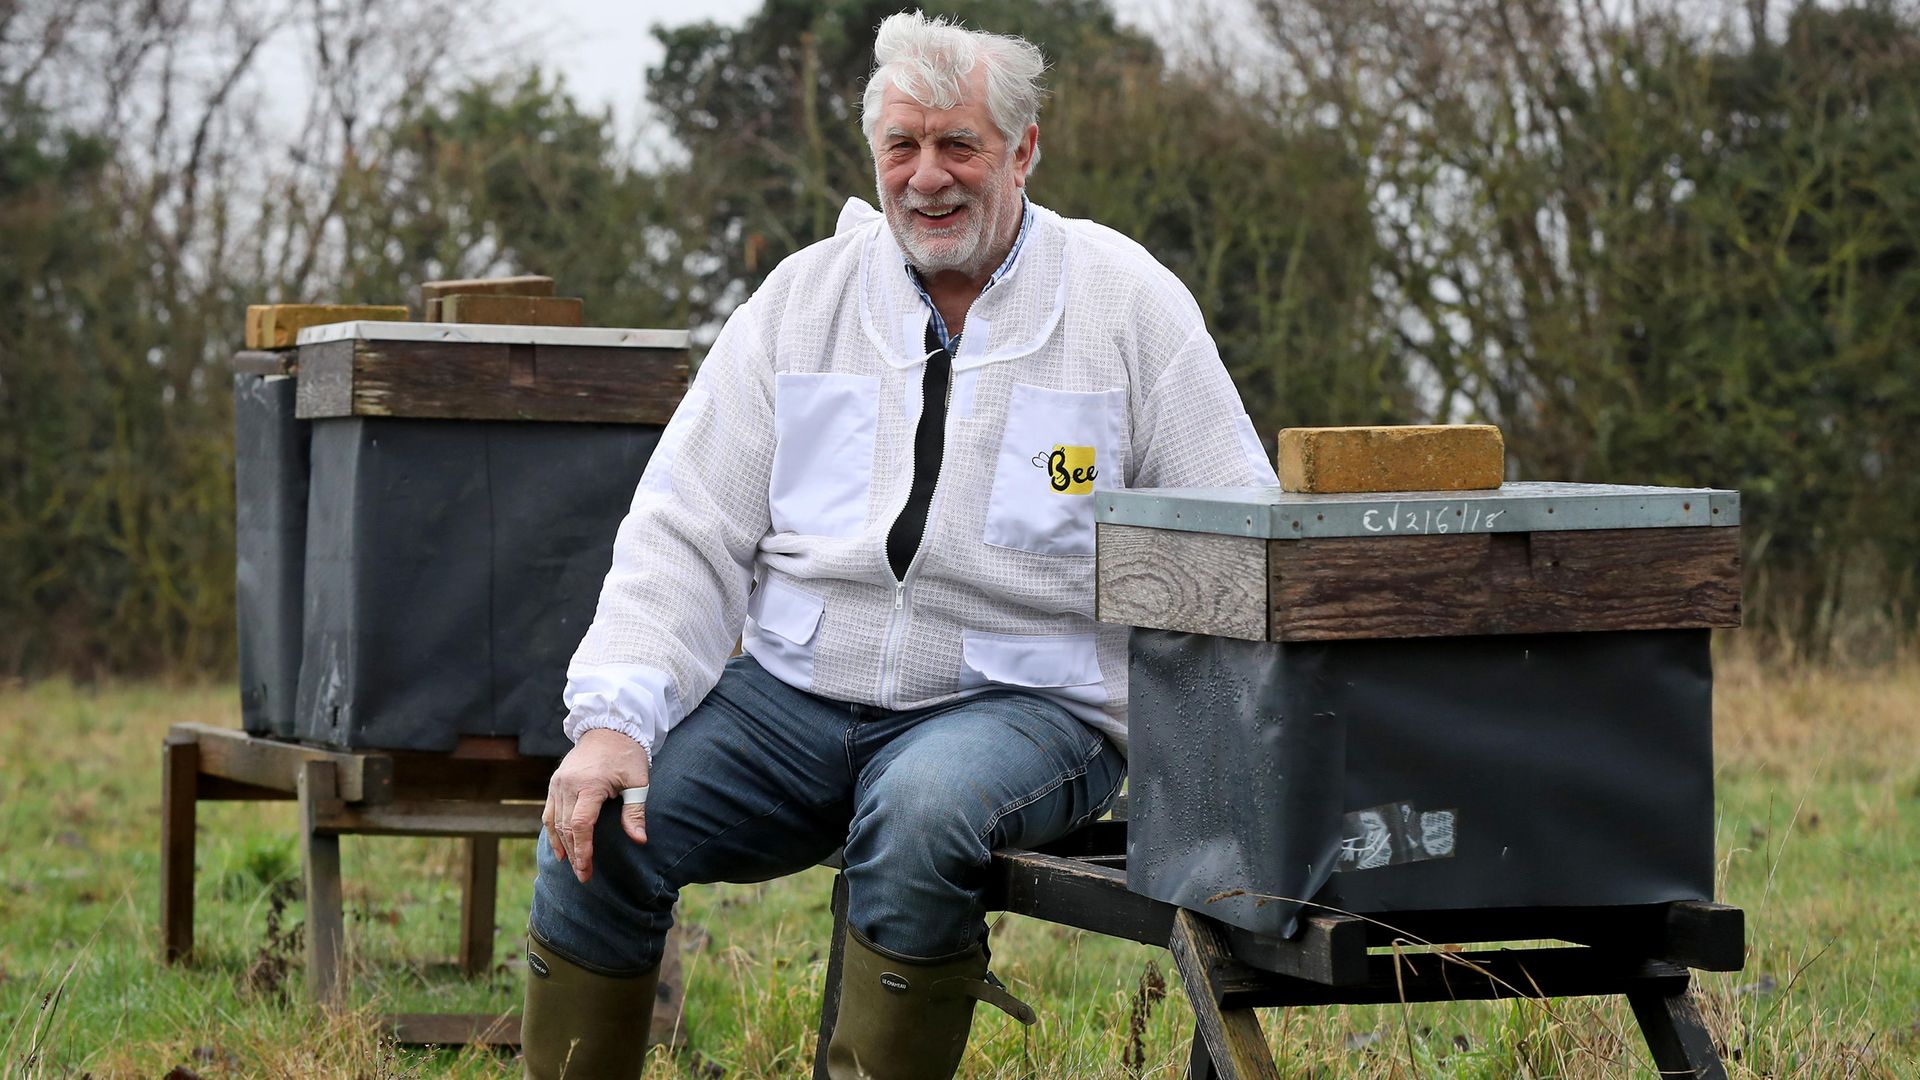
(1819, 839)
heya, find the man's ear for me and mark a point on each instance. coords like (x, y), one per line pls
(1023, 154)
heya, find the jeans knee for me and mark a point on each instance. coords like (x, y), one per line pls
(614, 923)
(918, 830)
(916, 878)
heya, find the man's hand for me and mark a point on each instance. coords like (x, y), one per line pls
(598, 767)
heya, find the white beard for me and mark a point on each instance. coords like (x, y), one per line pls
(966, 247)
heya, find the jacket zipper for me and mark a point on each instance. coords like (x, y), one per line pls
(889, 694)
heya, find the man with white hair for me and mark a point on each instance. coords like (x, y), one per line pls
(885, 471)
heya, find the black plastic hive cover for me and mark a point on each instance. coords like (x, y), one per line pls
(451, 569)
(1419, 774)
(270, 538)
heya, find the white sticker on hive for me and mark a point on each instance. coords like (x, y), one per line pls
(1392, 834)
(1367, 844)
(1436, 833)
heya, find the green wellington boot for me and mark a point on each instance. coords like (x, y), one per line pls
(580, 1024)
(903, 1018)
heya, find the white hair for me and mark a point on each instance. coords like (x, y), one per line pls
(929, 59)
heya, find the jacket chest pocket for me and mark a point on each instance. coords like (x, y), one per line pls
(824, 425)
(1059, 447)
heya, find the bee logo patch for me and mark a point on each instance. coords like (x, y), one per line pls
(1070, 469)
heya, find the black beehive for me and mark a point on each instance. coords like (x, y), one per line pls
(1419, 701)
(270, 538)
(426, 521)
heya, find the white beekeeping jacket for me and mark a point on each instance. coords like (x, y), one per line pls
(768, 501)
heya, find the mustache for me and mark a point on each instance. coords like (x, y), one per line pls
(912, 200)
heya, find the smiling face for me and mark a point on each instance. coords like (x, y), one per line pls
(948, 181)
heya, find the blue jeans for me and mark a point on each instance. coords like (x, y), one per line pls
(763, 780)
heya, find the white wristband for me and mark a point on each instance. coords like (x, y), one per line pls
(634, 796)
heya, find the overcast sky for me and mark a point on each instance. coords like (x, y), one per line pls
(604, 47)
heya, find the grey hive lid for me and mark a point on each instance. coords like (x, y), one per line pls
(492, 334)
(1522, 506)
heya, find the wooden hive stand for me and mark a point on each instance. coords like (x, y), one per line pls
(484, 791)
(480, 792)
(1642, 952)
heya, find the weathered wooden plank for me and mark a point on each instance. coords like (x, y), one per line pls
(453, 1029)
(236, 765)
(276, 326)
(652, 380)
(490, 381)
(1613, 926)
(179, 777)
(320, 859)
(513, 310)
(442, 776)
(1076, 893)
(1411, 457)
(1462, 976)
(433, 294)
(221, 789)
(1342, 588)
(1232, 1036)
(1329, 949)
(435, 817)
(479, 890)
(518, 285)
(235, 755)
(1691, 933)
(1197, 582)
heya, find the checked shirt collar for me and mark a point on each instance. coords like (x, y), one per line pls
(939, 324)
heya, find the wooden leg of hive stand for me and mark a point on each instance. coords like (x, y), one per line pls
(320, 858)
(479, 888)
(179, 811)
(1681, 1044)
(1232, 1038)
(830, 994)
(1199, 1061)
